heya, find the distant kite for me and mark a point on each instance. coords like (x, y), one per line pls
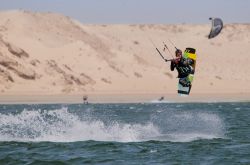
(217, 26)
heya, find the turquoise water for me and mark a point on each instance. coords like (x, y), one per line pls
(169, 133)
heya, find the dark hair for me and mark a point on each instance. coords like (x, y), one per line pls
(178, 51)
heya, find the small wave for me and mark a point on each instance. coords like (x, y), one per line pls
(186, 137)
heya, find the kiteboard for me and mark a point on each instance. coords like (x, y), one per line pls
(183, 90)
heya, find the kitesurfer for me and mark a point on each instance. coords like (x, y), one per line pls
(183, 66)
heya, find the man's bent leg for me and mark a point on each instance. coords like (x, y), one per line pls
(186, 81)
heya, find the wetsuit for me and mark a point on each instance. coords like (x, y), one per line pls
(184, 68)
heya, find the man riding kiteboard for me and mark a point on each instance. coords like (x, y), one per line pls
(184, 68)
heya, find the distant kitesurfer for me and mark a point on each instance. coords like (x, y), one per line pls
(183, 66)
(85, 99)
(161, 98)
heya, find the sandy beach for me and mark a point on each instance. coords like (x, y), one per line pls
(51, 58)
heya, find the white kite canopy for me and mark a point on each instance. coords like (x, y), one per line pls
(217, 26)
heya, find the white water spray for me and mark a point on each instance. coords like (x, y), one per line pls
(63, 126)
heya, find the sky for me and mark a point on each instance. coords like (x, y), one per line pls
(139, 11)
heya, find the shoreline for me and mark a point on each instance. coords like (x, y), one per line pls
(123, 98)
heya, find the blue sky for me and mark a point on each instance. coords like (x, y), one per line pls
(139, 11)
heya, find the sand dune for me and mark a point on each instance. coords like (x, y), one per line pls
(50, 54)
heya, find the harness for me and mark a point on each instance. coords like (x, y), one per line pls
(184, 70)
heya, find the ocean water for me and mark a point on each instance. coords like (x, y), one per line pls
(148, 133)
